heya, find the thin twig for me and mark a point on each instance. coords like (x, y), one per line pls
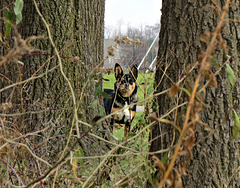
(29, 79)
(24, 145)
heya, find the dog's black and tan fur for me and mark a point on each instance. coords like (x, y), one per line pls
(123, 95)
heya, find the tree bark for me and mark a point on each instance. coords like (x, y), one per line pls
(215, 156)
(77, 29)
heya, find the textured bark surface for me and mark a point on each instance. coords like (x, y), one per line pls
(77, 29)
(215, 157)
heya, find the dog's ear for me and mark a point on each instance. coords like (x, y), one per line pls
(118, 71)
(134, 72)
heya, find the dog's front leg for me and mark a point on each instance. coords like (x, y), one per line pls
(127, 128)
(112, 124)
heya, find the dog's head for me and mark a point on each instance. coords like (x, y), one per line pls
(125, 83)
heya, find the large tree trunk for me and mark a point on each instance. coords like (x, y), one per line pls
(215, 156)
(77, 29)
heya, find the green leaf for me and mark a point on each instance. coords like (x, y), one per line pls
(18, 10)
(150, 179)
(20, 62)
(236, 127)
(93, 104)
(105, 95)
(19, 18)
(9, 23)
(143, 167)
(78, 154)
(98, 89)
(101, 111)
(155, 106)
(18, 6)
(230, 75)
(186, 91)
(165, 158)
(95, 144)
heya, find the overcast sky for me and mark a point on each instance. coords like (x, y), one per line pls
(132, 12)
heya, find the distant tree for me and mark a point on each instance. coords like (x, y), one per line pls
(108, 32)
(119, 29)
(186, 29)
(132, 54)
(151, 31)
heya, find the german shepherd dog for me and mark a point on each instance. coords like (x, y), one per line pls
(123, 95)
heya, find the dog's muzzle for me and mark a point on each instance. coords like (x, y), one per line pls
(125, 88)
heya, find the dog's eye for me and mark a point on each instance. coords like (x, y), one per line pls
(130, 80)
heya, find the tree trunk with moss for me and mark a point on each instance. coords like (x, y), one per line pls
(77, 30)
(215, 161)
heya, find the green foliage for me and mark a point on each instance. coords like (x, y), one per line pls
(230, 75)
(236, 127)
(18, 7)
(78, 154)
(20, 62)
(105, 95)
(101, 111)
(232, 79)
(135, 166)
(93, 104)
(9, 17)
(98, 89)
